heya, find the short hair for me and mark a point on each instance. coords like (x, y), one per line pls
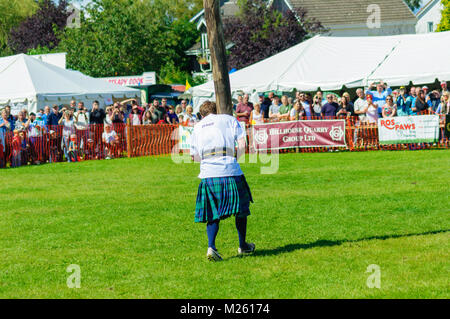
(207, 108)
(96, 102)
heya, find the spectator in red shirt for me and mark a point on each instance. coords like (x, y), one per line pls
(244, 109)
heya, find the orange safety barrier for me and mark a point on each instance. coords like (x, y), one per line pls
(145, 140)
(53, 143)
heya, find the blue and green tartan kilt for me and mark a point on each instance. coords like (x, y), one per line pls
(221, 197)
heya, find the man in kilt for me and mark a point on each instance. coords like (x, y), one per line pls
(223, 190)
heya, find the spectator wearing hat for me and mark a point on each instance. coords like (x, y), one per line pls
(379, 95)
(433, 100)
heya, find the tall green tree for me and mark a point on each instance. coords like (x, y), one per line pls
(12, 13)
(121, 37)
(413, 4)
(444, 25)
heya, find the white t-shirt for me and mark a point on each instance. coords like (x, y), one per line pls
(216, 132)
(109, 137)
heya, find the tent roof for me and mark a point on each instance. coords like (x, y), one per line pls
(330, 63)
(23, 77)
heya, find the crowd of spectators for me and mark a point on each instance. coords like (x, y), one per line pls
(376, 101)
(74, 132)
(58, 132)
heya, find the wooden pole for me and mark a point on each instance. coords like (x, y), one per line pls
(216, 43)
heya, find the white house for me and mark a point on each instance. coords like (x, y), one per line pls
(429, 16)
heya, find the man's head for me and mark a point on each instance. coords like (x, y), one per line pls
(164, 102)
(184, 104)
(73, 104)
(81, 105)
(271, 95)
(444, 85)
(21, 115)
(330, 98)
(155, 103)
(47, 109)
(32, 116)
(55, 108)
(207, 108)
(246, 98)
(276, 99)
(261, 98)
(8, 110)
(425, 89)
(380, 88)
(412, 91)
(320, 94)
(360, 93)
(95, 105)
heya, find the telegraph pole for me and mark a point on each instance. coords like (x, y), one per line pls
(216, 43)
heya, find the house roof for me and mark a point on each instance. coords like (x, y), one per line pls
(426, 7)
(337, 12)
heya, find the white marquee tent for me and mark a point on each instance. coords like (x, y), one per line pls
(329, 63)
(32, 83)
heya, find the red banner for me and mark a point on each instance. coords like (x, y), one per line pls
(322, 133)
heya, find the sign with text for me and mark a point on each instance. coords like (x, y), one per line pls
(324, 133)
(409, 129)
(148, 78)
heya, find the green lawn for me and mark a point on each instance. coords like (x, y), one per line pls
(317, 224)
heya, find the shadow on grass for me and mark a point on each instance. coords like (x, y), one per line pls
(329, 243)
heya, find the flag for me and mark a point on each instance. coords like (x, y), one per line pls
(188, 86)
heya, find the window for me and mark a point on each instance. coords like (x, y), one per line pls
(430, 27)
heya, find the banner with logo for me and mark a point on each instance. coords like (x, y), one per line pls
(185, 133)
(325, 133)
(409, 129)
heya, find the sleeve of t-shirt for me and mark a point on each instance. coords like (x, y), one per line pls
(193, 150)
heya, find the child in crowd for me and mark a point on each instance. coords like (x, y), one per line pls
(73, 148)
(16, 148)
(111, 141)
(53, 147)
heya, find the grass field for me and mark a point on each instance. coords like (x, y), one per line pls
(317, 224)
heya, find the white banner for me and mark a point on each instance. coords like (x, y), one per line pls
(409, 129)
(185, 133)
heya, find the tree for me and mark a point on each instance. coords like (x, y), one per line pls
(123, 37)
(12, 13)
(413, 4)
(41, 28)
(258, 32)
(444, 25)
